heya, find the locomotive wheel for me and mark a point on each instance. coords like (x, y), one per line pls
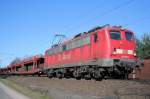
(97, 75)
(87, 76)
(59, 75)
(49, 75)
(77, 74)
(125, 75)
(39, 75)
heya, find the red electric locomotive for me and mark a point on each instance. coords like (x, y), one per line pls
(107, 51)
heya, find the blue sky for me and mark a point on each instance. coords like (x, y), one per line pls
(27, 27)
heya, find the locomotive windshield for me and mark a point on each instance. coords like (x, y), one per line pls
(129, 36)
(115, 35)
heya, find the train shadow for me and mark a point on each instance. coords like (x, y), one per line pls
(3, 76)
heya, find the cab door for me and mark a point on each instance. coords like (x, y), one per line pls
(94, 46)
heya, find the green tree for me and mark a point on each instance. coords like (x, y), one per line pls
(146, 45)
(143, 46)
(139, 48)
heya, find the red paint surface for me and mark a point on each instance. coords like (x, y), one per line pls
(102, 49)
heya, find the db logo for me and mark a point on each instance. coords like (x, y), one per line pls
(65, 57)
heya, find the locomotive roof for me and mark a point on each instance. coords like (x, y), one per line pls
(85, 34)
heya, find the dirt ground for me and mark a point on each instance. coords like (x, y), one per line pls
(106, 88)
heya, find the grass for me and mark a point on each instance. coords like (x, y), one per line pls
(24, 90)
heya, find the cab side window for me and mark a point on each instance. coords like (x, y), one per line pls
(129, 36)
(95, 38)
(64, 47)
(115, 35)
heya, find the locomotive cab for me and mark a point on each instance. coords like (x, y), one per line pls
(122, 44)
(122, 51)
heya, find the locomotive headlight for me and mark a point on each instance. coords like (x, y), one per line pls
(134, 54)
(114, 52)
(130, 52)
(119, 51)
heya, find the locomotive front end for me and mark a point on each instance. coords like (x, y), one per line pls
(123, 52)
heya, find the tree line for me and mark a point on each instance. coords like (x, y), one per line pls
(143, 46)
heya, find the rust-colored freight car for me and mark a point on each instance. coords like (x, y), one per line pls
(28, 66)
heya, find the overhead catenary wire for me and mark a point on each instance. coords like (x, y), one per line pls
(139, 20)
(86, 13)
(123, 4)
(102, 15)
